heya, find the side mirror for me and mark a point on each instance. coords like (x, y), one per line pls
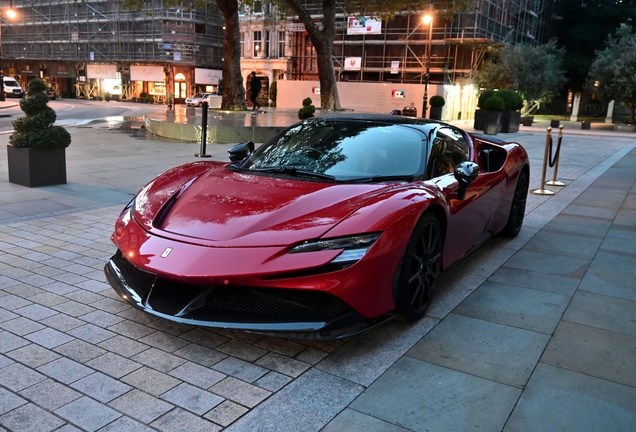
(465, 173)
(241, 151)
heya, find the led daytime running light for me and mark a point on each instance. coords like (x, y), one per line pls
(353, 242)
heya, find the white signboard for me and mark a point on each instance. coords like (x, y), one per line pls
(102, 71)
(352, 63)
(395, 66)
(363, 25)
(146, 73)
(207, 76)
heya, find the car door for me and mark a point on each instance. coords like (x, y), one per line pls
(468, 218)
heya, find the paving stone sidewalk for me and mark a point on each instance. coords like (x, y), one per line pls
(534, 333)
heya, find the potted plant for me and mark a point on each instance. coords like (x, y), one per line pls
(307, 110)
(494, 107)
(107, 96)
(36, 152)
(510, 117)
(437, 103)
(480, 114)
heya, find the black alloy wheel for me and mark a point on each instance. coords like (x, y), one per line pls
(421, 267)
(518, 209)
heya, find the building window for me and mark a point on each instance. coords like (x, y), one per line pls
(257, 42)
(281, 44)
(258, 7)
(242, 44)
(310, 56)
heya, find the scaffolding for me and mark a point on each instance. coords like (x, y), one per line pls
(458, 46)
(104, 31)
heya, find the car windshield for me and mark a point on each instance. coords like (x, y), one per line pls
(343, 150)
(198, 95)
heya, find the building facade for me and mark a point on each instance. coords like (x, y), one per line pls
(90, 48)
(446, 52)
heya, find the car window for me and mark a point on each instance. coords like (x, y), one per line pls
(345, 149)
(449, 149)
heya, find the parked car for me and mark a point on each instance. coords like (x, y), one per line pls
(12, 88)
(334, 225)
(197, 100)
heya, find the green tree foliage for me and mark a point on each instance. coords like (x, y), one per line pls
(534, 71)
(437, 101)
(486, 94)
(581, 27)
(613, 72)
(511, 98)
(494, 104)
(36, 130)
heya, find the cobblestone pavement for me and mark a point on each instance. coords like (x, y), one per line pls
(73, 356)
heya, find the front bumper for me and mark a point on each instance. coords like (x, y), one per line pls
(285, 312)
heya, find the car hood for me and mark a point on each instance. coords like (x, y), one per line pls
(221, 207)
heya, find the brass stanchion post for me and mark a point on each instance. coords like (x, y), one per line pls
(554, 181)
(546, 155)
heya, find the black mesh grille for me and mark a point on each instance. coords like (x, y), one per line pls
(285, 303)
(234, 303)
(141, 281)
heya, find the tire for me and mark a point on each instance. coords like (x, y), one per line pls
(518, 208)
(421, 267)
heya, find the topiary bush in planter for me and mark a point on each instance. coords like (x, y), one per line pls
(437, 103)
(307, 110)
(36, 150)
(494, 106)
(480, 114)
(511, 117)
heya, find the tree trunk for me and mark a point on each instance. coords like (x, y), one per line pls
(322, 40)
(233, 90)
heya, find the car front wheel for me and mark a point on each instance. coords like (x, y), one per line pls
(518, 209)
(421, 267)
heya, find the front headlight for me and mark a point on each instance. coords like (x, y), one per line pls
(354, 247)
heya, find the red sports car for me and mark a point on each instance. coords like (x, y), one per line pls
(334, 225)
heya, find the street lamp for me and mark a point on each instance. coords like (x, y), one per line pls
(10, 13)
(427, 19)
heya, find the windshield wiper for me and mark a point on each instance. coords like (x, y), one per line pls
(380, 178)
(292, 171)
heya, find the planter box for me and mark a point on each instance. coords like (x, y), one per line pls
(585, 125)
(435, 113)
(480, 120)
(624, 127)
(510, 121)
(492, 123)
(36, 167)
(555, 123)
(527, 121)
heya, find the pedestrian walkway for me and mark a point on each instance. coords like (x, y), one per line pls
(534, 333)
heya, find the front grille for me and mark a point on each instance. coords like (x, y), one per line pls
(293, 304)
(230, 303)
(139, 280)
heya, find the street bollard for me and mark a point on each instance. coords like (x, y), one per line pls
(204, 131)
(546, 155)
(554, 181)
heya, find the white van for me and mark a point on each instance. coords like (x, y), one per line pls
(12, 88)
